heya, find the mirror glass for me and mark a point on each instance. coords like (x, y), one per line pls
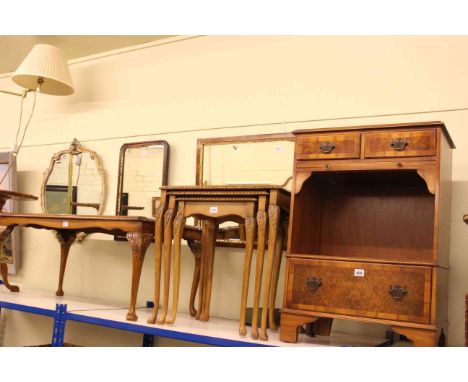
(255, 159)
(142, 171)
(74, 183)
(264, 159)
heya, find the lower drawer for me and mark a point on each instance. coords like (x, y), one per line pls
(391, 292)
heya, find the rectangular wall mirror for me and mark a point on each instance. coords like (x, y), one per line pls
(247, 159)
(143, 169)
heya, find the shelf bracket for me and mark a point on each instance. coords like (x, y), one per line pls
(301, 177)
(430, 177)
(60, 320)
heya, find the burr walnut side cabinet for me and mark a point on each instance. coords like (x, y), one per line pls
(369, 230)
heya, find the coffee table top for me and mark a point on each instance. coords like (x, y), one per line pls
(79, 217)
(5, 194)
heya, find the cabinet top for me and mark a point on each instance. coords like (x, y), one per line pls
(409, 125)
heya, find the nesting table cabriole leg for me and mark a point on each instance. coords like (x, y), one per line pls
(178, 229)
(279, 247)
(209, 228)
(196, 248)
(158, 243)
(168, 226)
(202, 276)
(250, 227)
(273, 242)
(262, 222)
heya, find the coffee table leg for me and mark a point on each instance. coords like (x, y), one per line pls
(139, 243)
(250, 236)
(5, 231)
(66, 239)
(4, 271)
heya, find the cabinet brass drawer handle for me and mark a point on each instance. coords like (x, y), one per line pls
(399, 144)
(314, 283)
(397, 292)
(327, 147)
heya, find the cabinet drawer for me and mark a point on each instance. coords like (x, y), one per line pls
(330, 146)
(360, 289)
(400, 144)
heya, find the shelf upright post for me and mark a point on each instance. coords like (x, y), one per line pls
(60, 320)
(148, 339)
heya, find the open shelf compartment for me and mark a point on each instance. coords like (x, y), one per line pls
(382, 215)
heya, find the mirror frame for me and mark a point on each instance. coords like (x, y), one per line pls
(202, 142)
(75, 148)
(124, 147)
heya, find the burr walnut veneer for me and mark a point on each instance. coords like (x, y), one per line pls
(369, 230)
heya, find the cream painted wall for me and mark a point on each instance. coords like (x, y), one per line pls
(219, 86)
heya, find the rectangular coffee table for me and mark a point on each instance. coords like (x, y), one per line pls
(139, 232)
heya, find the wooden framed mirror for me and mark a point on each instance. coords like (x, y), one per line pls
(143, 169)
(74, 183)
(246, 159)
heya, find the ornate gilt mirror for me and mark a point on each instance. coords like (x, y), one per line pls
(74, 183)
(143, 169)
(247, 159)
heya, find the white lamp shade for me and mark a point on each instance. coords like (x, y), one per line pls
(49, 63)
